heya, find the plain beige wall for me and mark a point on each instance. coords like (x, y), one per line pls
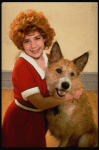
(76, 27)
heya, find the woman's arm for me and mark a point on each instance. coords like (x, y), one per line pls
(48, 102)
(44, 103)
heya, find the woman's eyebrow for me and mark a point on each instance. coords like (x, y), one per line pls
(33, 37)
(37, 36)
(26, 39)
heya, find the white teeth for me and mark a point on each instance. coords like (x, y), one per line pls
(35, 51)
(60, 92)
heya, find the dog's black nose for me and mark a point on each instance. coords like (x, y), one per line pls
(65, 85)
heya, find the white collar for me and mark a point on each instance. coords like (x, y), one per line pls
(34, 64)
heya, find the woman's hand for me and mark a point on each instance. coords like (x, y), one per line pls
(68, 97)
(77, 95)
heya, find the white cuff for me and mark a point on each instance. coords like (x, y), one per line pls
(29, 92)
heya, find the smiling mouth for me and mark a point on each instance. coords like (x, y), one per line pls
(35, 51)
(60, 92)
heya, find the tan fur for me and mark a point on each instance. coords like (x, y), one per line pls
(76, 123)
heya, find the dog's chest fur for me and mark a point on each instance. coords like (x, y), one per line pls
(60, 118)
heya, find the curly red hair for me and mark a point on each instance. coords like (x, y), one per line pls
(27, 22)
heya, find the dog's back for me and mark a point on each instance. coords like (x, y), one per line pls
(93, 100)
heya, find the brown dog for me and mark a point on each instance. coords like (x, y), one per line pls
(74, 122)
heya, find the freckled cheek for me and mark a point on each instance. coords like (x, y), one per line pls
(27, 47)
(40, 43)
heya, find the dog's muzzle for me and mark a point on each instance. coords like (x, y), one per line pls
(62, 91)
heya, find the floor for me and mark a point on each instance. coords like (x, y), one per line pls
(7, 98)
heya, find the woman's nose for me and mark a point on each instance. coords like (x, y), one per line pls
(33, 44)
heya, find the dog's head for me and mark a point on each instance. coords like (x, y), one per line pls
(62, 75)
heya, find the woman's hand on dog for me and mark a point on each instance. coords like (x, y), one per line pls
(68, 97)
(77, 95)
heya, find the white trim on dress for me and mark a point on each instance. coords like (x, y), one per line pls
(29, 92)
(26, 108)
(34, 64)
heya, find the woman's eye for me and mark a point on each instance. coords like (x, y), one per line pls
(59, 70)
(37, 38)
(72, 74)
(26, 41)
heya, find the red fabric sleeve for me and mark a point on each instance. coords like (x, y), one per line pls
(23, 80)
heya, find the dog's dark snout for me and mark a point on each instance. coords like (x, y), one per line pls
(65, 85)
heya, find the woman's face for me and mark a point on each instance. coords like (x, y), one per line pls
(33, 45)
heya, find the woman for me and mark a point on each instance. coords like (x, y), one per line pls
(24, 121)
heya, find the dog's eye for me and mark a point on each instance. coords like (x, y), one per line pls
(72, 74)
(59, 70)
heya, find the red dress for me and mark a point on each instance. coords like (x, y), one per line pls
(23, 128)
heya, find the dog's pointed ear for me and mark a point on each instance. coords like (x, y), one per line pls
(81, 62)
(55, 53)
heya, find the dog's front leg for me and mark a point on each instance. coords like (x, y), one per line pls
(63, 143)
